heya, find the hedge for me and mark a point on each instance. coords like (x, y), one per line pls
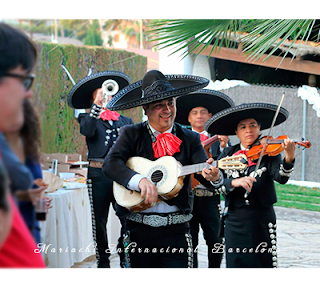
(60, 129)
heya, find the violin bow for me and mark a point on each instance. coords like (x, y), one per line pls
(264, 146)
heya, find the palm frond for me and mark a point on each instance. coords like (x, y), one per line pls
(262, 36)
(272, 34)
(190, 34)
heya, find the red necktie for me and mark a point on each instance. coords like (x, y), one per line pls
(203, 137)
(245, 152)
(166, 144)
(110, 115)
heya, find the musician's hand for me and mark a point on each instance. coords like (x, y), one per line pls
(212, 173)
(289, 149)
(148, 191)
(244, 182)
(223, 141)
(99, 98)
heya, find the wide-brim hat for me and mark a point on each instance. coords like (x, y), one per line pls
(226, 121)
(213, 101)
(80, 96)
(155, 87)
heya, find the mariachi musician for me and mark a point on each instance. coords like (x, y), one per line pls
(250, 221)
(161, 231)
(195, 110)
(100, 127)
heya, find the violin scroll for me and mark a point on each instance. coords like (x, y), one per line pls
(304, 144)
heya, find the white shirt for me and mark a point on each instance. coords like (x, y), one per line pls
(133, 184)
(243, 148)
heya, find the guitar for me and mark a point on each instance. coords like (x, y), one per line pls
(168, 174)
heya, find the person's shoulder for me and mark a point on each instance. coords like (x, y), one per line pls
(185, 131)
(133, 127)
(231, 148)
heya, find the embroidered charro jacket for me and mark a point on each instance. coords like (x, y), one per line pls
(135, 140)
(263, 191)
(100, 135)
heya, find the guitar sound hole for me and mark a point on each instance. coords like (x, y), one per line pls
(156, 176)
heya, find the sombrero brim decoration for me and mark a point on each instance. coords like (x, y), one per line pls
(213, 101)
(80, 96)
(226, 121)
(155, 87)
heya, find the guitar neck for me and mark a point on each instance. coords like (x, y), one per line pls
(189, 169)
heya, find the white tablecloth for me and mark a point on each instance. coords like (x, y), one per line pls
(66, 235)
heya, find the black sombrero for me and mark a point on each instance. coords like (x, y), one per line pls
(226, 121)
(213, 101)
(80, 96)
(155, 87)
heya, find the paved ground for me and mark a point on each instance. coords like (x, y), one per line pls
(298, 234)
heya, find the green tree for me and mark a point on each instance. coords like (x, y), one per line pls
(93, 37)
(75, 28)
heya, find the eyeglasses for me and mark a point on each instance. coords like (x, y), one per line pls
(27, 79)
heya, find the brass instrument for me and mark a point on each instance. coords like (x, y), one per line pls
(109, 88)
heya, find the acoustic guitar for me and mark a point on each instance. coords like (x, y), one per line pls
(167, 174)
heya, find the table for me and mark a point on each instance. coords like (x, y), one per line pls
(66, 235)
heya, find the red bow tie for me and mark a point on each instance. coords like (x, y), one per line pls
(245, 152)
(203, 137)
(110, 115)
(166, 144)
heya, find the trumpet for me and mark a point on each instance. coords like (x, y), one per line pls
(109, 88)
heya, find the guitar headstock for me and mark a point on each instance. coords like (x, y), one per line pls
(233, 162)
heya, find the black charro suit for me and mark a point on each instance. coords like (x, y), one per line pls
(206, 213)
(250, 223)
(136, 141)
(96, 132)
(100, 137)
(263, 191)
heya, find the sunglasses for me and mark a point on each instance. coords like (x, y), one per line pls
(27, 80)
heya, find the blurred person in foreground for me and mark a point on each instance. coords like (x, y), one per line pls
(25, 143)
(5, 210)
(17, 59)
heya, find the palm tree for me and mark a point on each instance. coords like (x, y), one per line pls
(256, 36)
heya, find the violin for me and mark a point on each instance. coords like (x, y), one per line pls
(273, 147)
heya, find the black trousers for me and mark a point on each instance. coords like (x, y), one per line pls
(101, 196)
(206, 213)
(158, 247)
(250, 237)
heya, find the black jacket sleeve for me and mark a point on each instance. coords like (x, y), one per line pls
(88, 125)
(117, 158)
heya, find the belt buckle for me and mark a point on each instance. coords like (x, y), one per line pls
(155, 220)
(198, 192)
